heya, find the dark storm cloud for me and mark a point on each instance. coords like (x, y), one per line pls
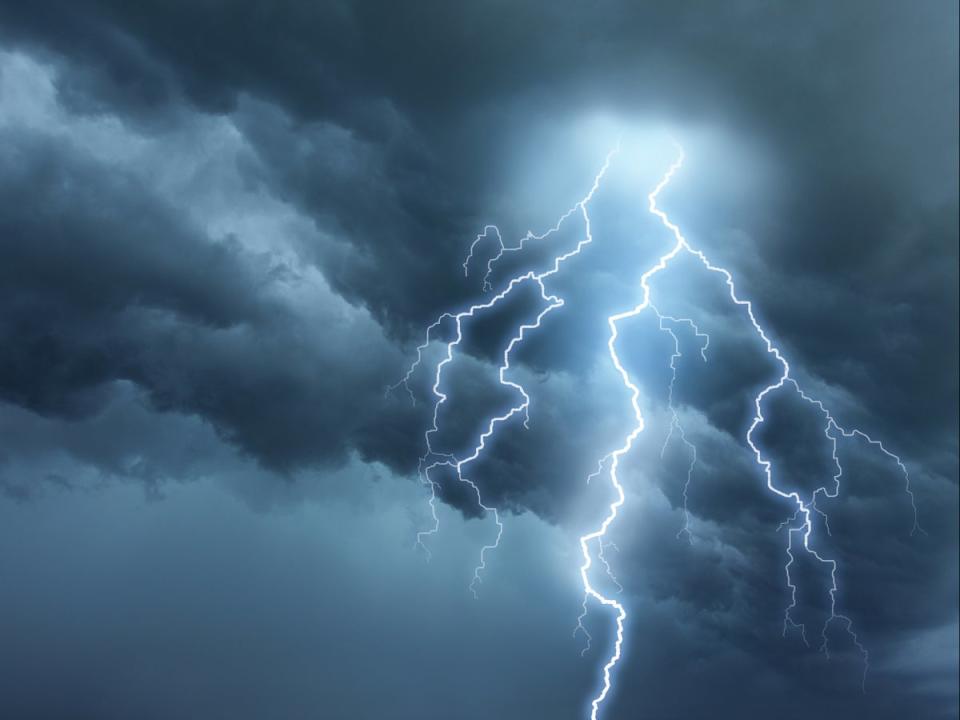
(447, 85)
(379, 120)
(67, 260)
(188, 318)
(373, 143)
(385, 202)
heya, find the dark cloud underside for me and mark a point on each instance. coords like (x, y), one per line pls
(223, 227)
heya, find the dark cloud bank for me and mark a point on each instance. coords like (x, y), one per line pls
(223, 227)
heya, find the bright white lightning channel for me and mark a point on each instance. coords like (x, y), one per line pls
(800, 526)
(805, 507)
(431, 459)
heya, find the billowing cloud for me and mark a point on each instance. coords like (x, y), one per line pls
(223, 228)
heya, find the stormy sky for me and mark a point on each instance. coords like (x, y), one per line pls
(224, 227)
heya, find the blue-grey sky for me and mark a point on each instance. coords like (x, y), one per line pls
(223, 229)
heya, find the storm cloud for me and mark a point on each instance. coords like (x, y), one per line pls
(225, 226)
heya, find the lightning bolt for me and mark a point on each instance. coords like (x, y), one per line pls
(599, 534)
(800, 527)
(431, 459)
(675, 426)
(804, 508)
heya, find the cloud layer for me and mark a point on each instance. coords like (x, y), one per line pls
(224, 227)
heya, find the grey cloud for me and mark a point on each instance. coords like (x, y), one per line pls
(223, 229)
